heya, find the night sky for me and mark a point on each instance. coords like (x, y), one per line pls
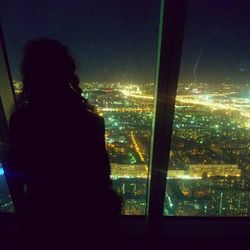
(110, 40)
(219, 30)
(117, 40)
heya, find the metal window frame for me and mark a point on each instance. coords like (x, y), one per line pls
(168, 64)
(169, 56)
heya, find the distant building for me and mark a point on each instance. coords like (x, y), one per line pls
(176, 174)
(129, 171)
(211, 170)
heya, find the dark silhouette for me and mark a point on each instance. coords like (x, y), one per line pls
(57, 151)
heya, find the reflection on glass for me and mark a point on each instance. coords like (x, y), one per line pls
(6, 204)
(209, 171)
(7, 106)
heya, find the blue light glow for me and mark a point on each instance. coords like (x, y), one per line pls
(1, 171)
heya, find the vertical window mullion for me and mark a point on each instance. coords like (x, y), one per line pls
(170, 44)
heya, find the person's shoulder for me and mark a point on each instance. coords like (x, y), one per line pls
(94, 118)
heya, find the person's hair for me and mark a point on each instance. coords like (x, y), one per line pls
(47, 65)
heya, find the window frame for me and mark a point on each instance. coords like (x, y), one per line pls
(169, 57)
(171, 33)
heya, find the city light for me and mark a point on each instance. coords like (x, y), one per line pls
(208, 172)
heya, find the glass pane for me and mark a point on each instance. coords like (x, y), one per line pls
(115, 45)
(5, 89)
(209, 160)
(7, 105)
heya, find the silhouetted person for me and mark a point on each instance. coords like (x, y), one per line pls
(57, 151)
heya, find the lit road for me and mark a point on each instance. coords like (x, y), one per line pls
(136, 146)
(203, 100)
(125, 109)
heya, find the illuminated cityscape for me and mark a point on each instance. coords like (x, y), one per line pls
(208, 172)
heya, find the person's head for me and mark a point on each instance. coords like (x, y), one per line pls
(47, 67)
